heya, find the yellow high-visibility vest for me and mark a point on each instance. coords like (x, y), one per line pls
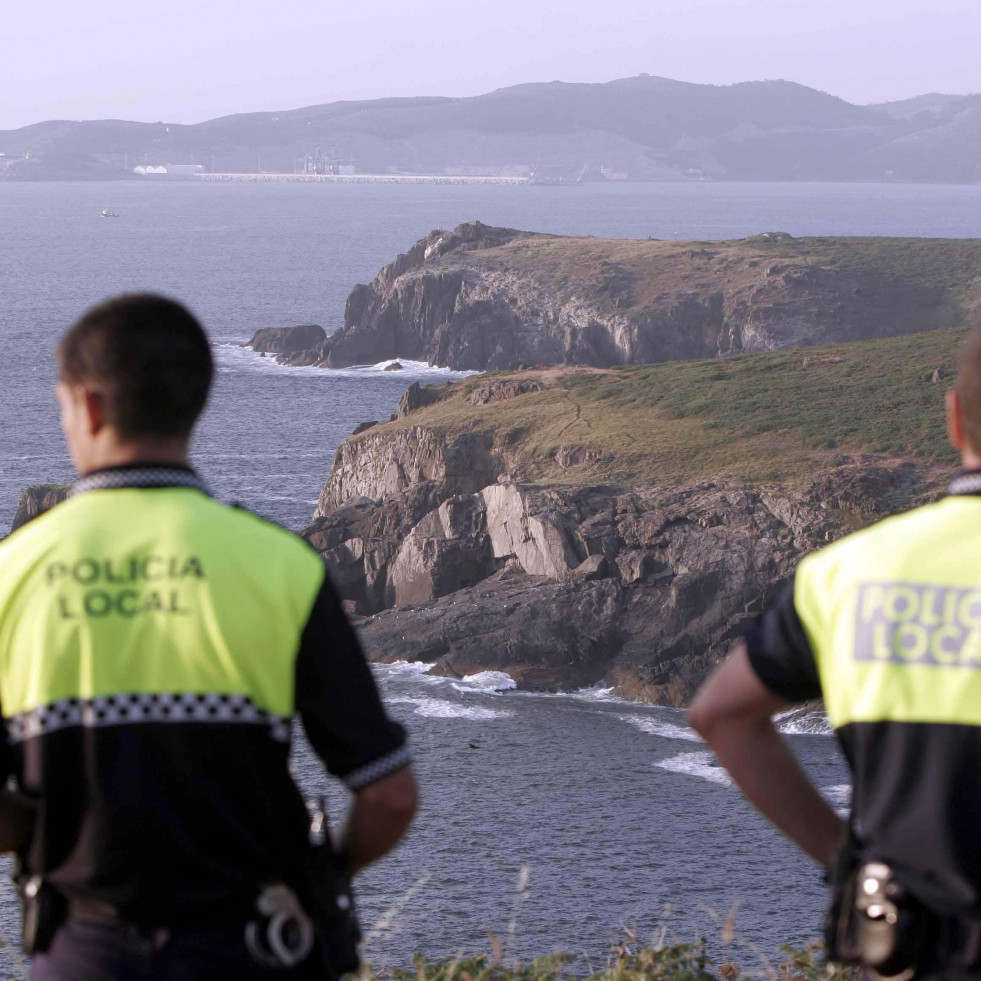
(893, 616)
(97, 601)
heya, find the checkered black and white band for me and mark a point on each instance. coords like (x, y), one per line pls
(112, 710)
(141, 477)
(379, 768)
(965, 483)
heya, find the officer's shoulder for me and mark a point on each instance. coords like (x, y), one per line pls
(899, 529)
(266, 530)
(31, 533)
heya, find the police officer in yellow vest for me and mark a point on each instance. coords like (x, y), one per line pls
(885, 625)
(154, 647)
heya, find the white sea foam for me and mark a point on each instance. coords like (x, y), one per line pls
(596, 694)
(792, 723)
(488, 682)
(700, 765)
(233, 357)
(658, 727)
(409, 668)
(439, 708)
(839, 796)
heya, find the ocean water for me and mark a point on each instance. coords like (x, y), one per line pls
(616, 811)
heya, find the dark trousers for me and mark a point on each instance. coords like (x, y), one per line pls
(84, 951)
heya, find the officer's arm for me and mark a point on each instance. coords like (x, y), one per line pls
(17, 814)
(348, 727)
(380, 815)
(733, 712)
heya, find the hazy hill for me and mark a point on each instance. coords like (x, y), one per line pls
(644, 127)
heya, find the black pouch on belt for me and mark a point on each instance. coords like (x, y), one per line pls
(329, 901)
(45, 909)
(841, 942)
(892, 924)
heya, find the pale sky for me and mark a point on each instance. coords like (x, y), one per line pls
(190, 60)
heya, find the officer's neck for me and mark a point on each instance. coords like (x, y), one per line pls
(109, 449)
(969, 459)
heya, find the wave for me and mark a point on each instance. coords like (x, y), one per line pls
(795, 723)
(839, 796)
(704, 766)
(405, 668)
(439, 708)
(487, 682)
(595, 694)
(700, 765)
(234, 358)
(657, 727)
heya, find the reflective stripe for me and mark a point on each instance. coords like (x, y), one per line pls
(152, 591)
(965, 483)
(138, 707)
(376, 769)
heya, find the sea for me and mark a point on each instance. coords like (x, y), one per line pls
(548, 823)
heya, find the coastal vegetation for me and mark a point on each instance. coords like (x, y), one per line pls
(573, 526)
(676, 961)
(755, 418)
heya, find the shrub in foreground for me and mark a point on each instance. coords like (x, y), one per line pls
(671, 962)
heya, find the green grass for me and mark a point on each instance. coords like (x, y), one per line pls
(940, 278)
(940, 264)
(757, 418)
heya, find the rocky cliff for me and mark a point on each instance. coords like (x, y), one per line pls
(287, 340)
(494, 298)
(562, 589)
(506, 523)
(36, 500)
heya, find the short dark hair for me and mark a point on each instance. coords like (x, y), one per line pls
(149, 357)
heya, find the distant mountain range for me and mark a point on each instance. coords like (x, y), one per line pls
(640, 128)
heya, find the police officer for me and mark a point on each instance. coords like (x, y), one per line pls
(885, 625)
(154, 647)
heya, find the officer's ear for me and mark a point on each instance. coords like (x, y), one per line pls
(95, 411)
(955, 419)
(956, 431)
(82, 409)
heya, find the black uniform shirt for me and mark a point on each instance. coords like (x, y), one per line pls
(155, 647)
(885, 625)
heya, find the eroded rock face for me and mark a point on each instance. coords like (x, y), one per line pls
(418, 396)
(504, 389)
(542, 633)
(644, 589)
(382, 465)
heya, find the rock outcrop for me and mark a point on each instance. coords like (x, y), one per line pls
(36, 500)
(287, 340)
(450, 563)
(385, 464)
(488, 298)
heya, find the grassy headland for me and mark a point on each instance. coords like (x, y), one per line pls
(949, 270)
(756, 418)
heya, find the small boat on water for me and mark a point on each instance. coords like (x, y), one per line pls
(109, 213)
